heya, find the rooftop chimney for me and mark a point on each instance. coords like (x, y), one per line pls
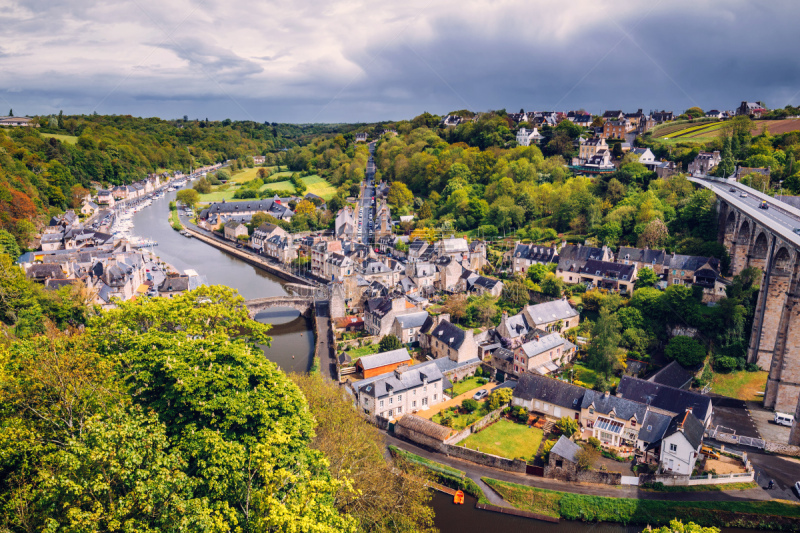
(606, 394)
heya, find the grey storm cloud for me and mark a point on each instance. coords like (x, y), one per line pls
(354, 60)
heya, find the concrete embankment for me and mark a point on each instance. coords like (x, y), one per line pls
(248, 257)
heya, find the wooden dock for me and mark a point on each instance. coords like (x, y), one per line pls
(516, 512)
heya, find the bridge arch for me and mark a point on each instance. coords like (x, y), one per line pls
(760, 246)
(743, 235)
(782, 263)
(730, 223)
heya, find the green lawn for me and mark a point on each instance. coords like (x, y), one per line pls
(506, 439)
(364, 350)
(741, 385)
(69, 139)
(465, 386)
(314, 184)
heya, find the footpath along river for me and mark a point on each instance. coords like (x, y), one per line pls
(293, 349)
(292, 337)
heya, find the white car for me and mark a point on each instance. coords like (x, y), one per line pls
(481, 394)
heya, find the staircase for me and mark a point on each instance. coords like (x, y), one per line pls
(548, 427)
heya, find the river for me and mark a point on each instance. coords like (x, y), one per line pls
(292, 346)
(292, 349)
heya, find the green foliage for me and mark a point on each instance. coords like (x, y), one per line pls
(603, 349)
(470, 405)
(687, 351)
(567, 426)
(499, 398)
(390, 342)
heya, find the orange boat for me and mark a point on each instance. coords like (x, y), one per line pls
(459, 497)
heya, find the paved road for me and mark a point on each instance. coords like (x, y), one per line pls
(474, 471)
(777, 216)
(366, 210)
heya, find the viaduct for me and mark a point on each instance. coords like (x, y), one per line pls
(303, 298)
(770, 240)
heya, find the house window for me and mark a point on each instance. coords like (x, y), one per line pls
(559, 463)
(389, 412)
(591, 411)
(381, 403)
(391, 400)
(673, 447)
(538, 404)
(414, 403)
(633, 423)
(424, 401)
(399, 410)
(365, 401)
(399, 397)
(434, 396)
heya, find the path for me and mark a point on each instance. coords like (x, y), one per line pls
(475, 471)
(454, 401)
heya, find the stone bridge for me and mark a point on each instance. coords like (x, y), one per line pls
(302, 304)
(766, 238)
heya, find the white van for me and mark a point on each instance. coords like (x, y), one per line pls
(784, 419)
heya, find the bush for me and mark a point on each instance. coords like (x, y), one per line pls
(500, 397)
(567, 426)
(482, 381)
(390, 342)
(586, 458)
(521, 414)
(687, 351)
(594, 442)
(469, 405)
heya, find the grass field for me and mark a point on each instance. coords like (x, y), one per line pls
(759, 514)
(364, 350)
(241, 176)
(462, 420)
(69, 139)
(741, 385)
(314, 184)
(467, 385)
(506, 439)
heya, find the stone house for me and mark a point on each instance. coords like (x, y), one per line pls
(704, 163)
(105, 198)
(616, 129)
(264, 232)
(234, 230)
(667, 399)
(577, 254)
(337, 267)
(549, 397)
(447, 340)
(525, 137)
(380, 313)
(450, 272)
(408, 327)
(614, 421)
(525, 256)
(557, 315)
(642, 257)
(562, 463)
(280, 248)
(513, 330)
(543, 354)
(603, 274)
(320, 252)
(682, 269)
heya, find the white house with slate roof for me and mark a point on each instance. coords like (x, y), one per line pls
(407, 389)
(547, 396)
(525, 136)
(668, 399)
(220, 212)
(546, 316)
(525, 256)
(513, 329)
(681, 444)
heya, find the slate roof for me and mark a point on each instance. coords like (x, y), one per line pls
(532, 252)
(487, 283)
(412, 320)
(269, 206)
(622, 408)
(690, 262)
(536, 387)
(577, 255)
(176, 284)
(44, 271)
(371, 362)
(664, 397)
(692, 428)
(517, 325)
(403, 379)
(673, 375)
(545, 343)
(424, 426)
(449, 334)
(653, 426)
(566, 449)
(379, 306)
(608, 269)
(642, 255)
(551, 311)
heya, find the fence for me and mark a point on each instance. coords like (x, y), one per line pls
(732, 438)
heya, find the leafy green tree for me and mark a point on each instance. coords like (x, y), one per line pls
(188, 197)
(646, 277)
(538, 272)
(399, 195)
(390, 342)
(499, 398)
(516, 293)
(686, 351)
(552, 285)
(630, 317)
(695, 112)
(8, 244)
(470, 405)
(567, 426)
(604, 345)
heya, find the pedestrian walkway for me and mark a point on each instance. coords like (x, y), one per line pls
(454, 401)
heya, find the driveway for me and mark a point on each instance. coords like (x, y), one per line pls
(454, 401)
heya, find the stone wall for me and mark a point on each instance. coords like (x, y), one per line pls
(511, 465)
(569, 472)
(419, 438)
(686, 331)
(462, 372)
(782, 449)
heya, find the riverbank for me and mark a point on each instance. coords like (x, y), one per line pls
(772, 514)
(174, 219)
(246, 257)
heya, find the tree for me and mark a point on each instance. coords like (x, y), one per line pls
(603, 348)
(586, 458)
(8, 244)
(686, 351)
(538, 272)
(381, 501)
(470, 405)
(655, 234)
(188, 197)
(567, 426)
(646, 277)
(727, 164)
(390, 342)
(552, 285)
(695, 112)
(10, 112)
(456, 307)
(399, 195)
(304, 207)
(499, 398)
(516, 293)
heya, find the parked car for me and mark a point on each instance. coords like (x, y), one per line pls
(481, 394)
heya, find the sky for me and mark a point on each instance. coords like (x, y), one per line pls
(309, 61)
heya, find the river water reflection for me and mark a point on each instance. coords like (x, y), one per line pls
(292, 338)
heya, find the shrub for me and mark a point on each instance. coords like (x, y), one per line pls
(687, 351)
(567, 426)
(390, 342)
(521, 414)
(469, 405)
(500, 397)
(586, 458)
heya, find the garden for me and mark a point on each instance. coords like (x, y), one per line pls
(506, 439)
(466, 385)
(461, 416)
